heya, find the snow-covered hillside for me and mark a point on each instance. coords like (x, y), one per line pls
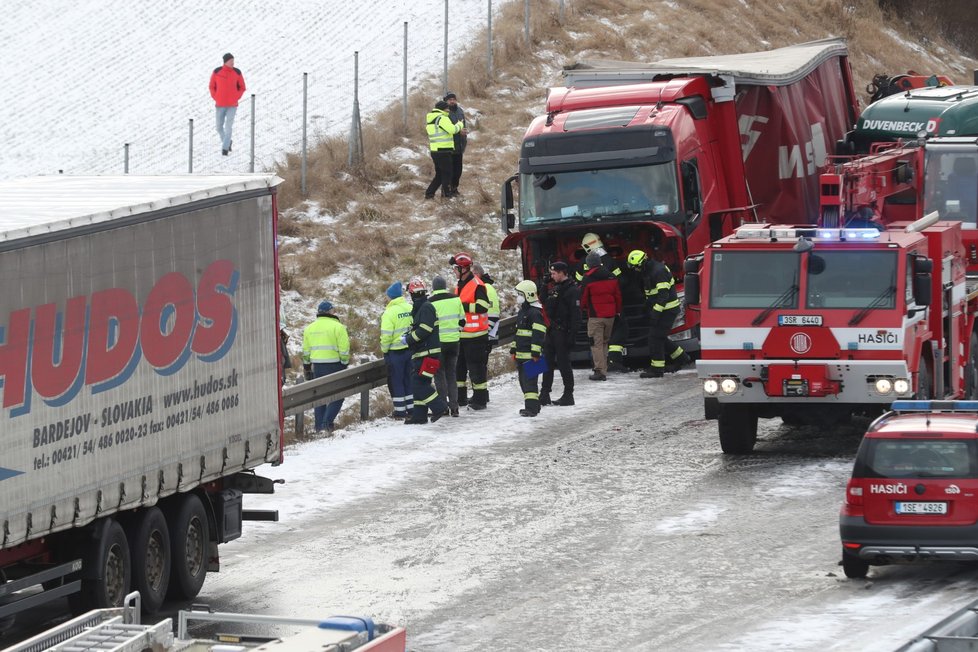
(80, 79)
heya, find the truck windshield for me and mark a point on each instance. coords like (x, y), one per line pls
(951, 184)
(852, 279)
(753, 279)
(589, 195)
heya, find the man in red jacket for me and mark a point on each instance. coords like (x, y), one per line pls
(601, 302)
(227, 87)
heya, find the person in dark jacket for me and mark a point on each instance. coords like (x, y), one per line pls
(601, 303)
(531, 332)
(630, 293)
(662, 302)
(227, 86)
(424, 342)
(563, 308)
(456, 115)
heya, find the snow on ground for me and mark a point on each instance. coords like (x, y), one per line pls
(80, 79)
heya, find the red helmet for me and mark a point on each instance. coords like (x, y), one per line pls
(416, 286)
(461, 259)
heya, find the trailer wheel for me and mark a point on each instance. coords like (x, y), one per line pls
(854, 567)
(925, 387)
(189, 543)
(106, 569)
(149, 549)
(738, 429)
(971, 370)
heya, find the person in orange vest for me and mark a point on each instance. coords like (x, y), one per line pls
(473, 357)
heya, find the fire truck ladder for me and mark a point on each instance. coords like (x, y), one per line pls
(104, 630)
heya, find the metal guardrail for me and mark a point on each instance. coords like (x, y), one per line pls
(360, 379)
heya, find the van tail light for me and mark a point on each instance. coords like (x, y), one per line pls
(853, 505)
(854, 492)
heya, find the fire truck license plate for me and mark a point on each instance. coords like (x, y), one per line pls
(799, 320)
(921, 508)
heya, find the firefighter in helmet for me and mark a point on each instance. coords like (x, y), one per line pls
(531, 331)
(473, 355)
(424, 342)
(592, 244)
(662, 303)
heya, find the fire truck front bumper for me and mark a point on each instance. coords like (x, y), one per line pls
(856, 382)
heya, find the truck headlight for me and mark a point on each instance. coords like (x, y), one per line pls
(901, 385)
(728, 385)
(884, 385)
(711, 386)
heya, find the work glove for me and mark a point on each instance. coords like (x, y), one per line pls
(404, 339)
(307, 372)
(535, 357)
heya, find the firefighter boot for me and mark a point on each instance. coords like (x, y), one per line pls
(419, 415)
(531, 408)
(616, 363)
(655, 371)
(566, 399)
(463, 395)
(480, 397)
(545, 398)
(438, 409)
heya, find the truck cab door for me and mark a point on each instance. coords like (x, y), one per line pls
(692, 199)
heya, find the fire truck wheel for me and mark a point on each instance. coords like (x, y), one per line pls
(106, 570)
(189, 544)
(738, 429)
(971, 370)
(925, 387)
(149, 549)
(854, 567)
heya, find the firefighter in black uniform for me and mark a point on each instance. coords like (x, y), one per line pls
(563, 309)
(662, 302)
(630, 294)
(424, 342)
(531, 332)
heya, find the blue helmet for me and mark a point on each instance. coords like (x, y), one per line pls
(324, 307)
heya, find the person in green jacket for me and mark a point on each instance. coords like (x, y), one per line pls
(441, 141)
(451, 316)
(325, 350)
(394, 324)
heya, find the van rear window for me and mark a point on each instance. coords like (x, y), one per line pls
(916, 458)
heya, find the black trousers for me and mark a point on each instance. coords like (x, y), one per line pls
(660, 346)
(557, 349)
(473, 361)
(443, 173)
(456, 169)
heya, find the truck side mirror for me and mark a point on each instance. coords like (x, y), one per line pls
(922, 289)
(691, 288)
(922, 265)
(506, 216)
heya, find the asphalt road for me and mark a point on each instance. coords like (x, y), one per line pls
(613, 525)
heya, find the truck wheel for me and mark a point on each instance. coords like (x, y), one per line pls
(854, 567)
(738, 429)
(925, 388)
(149, 549)
(189, 543)
(971, 369)
(106, 569)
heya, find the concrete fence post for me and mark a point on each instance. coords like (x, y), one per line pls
(190, 154)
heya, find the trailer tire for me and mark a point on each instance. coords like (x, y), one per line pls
(925, 387)
(189, 544)
(106, 569)
(971, 370)
(854, 567)
(738, 429)
(150, 552)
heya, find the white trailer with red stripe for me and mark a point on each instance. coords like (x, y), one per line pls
(813, 325)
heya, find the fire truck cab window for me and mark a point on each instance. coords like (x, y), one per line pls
(736, 282)
(952, 175)
(581, 196)
(847, 281)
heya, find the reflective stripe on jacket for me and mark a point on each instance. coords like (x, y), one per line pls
(423, 339)
(660, 286)
(441, 131)
(448, 307)
(395, 321)
(493, 313)
(475, 302)
(531, 331)
(325, 340)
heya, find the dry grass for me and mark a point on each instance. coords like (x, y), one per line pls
(383, 230)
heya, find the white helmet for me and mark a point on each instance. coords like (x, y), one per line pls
(528, 289)
(590, 242)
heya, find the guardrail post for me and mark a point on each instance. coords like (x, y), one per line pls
(300, 424)
(364, 405)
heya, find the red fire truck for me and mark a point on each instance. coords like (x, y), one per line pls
(672, 155)
(815, 324)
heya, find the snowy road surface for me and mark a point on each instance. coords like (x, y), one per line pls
(615, 524)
